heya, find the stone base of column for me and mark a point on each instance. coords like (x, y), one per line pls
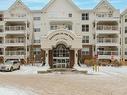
(47, 65)
(76, 65)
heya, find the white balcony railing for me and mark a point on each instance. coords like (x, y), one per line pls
(104, 15)
(108, 53)
(15, 28)
(107, 27)
(15, 41)
(107, 40)
(15, 53)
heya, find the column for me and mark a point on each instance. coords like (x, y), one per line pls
(47, 58)
(76, 58)
(26, 43)
(96, 38)
(4, 42)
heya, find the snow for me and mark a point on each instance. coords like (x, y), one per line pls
(105, 70)
(28, 69)
(111, 77)
(102, 70)
(5, 90)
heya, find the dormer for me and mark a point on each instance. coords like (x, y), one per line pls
(61, 9)
(105, 10)
(19, 10)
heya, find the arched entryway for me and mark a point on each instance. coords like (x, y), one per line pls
(61, 56)
(61, 48)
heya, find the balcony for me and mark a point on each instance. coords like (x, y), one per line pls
(15, 54)
(57, 16)
(15, 42)
(107, 42)
(104, 16)
(1, 17)
(15, 29)
(63, 27)
(37, 42)
(107, 29)
(1, 53)
(1, 34)
(1, 31)
(1, 21)
(108, 55)
(21, 52)
(15, 19)
(1, 44)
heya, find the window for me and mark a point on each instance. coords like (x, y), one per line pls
(36, 18)
(69, 27)
(1, 28)
(22, 15)
(21, 40)
(61, 51)
(37, 51)
(1, 17)
(36, 41)
(1, 41)
(85, 39)
(1, 51)
(125, 40)
(125, 18)
(36, 29)
(70, 14)
(85, 16)
(125, 29)
(125, 51)
(53, 27)
(94, 36)
(85, 51)
(85, 28)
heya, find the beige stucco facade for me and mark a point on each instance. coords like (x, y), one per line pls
(34, 35)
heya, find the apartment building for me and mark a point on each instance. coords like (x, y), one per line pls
(61, 34)
(107, 29)
(124, 35)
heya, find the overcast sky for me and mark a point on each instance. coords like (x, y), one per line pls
(83, 4)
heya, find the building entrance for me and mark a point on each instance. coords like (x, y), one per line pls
(61, 56)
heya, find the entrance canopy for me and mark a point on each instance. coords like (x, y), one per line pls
(66, 37)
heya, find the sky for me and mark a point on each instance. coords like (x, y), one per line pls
(83, 4)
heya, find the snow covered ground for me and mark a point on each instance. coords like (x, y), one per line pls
(102, 70)
(108, 81)
(108, 70)
(27, 70)
(6, 90)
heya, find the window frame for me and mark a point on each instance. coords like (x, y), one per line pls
(85, 28)
(85, 16)
(85, 39)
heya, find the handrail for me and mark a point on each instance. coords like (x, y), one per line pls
(15, 53)
(15, 28)
(107, 27)
(108, 52)
(107, 40)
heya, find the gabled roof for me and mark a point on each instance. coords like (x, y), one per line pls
(16, 2)
(106, 2)
(124, 12)
(52, 1)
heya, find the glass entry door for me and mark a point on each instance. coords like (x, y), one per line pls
(61, 57)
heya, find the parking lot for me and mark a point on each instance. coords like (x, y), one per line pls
(108, 81)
